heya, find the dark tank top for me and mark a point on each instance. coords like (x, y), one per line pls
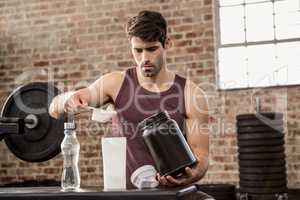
(135, 103)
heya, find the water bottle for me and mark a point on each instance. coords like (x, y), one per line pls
(70, 179)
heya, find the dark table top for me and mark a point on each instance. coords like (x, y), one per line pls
(93, 193)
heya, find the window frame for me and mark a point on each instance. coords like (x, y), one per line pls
(217, 27)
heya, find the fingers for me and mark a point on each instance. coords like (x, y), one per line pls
(185, 179)
(74, 103)
(174, 181)
(188, 171)
(84, 103)
(192, 174)
(168, 181)
(162, 180)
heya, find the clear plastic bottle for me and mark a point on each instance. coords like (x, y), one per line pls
(70, 147)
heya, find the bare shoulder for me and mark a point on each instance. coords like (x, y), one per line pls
(109, 84)
(115, 80)
(110, 79)
(114, 76)
(195, 100)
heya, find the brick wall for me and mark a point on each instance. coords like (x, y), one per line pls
(73, 42)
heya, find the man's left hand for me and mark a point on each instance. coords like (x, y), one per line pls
(191, 175)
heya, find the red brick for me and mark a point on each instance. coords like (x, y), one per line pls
(194, 49)
(90, 155)
(91, 169)
(86, 23)
(174, 22)
(58, 62)
(14, 72)
(3, 172)
(77, 60)
(24, 51)
(6, 80)
(6, 179)
(51, 171)
(114, 57)
(8, 165)
(125, 64)
(6, 66)
(41, 63)
(96, 30)
(191, 35)
(207, 2)
(209, 33)
(183, 28)
(182, 43)
(176, 36)
(208, 17)
(187, 20)
(41, 21)
(183, 58)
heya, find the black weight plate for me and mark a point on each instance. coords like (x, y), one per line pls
(261, 156)
(266, 184)
(42, 142)
(259, 129)
(261, 163)
(263, 177)
(216, 189)
(268, 149)
(263, 190)
(256, 143)
(294, 194)
(262, 170)
(268, 115)
(259, 123)
(260, 136)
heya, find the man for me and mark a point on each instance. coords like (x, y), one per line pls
(142, 91)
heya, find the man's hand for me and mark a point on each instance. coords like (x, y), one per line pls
(191, 175)
(77, 101)
(69, 102)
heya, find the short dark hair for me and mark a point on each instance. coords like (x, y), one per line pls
(150, 26)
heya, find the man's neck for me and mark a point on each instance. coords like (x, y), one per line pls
(162, 81)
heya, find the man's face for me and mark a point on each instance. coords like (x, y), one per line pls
(149, 56)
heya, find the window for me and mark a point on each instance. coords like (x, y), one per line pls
(259, 43)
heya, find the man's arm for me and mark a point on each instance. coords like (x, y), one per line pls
(197, 132)
(197, 128)
(98, 93)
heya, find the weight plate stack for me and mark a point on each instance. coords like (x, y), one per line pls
(261, 155)
(266, 197)
(218, 191)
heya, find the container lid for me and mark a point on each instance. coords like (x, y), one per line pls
(153, 119)
(144, 177)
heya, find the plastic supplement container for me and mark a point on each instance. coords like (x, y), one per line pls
(167, 145)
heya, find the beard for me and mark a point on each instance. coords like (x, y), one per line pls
(150, 70)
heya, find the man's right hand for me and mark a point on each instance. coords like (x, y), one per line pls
(69, 102)
(76, 101)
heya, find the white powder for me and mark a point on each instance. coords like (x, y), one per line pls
(104, 113)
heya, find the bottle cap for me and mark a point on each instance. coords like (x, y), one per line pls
(69, 125)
